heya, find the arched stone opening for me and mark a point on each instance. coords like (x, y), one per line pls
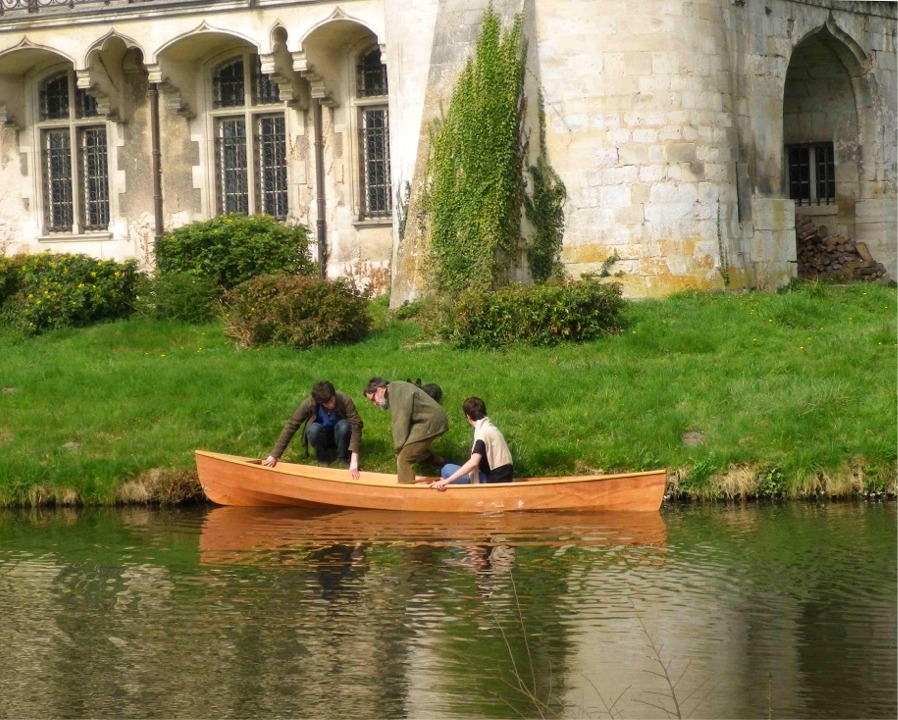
(226, 125)
(352, 212)
(20, 64)
(830, 155)
(60, 117)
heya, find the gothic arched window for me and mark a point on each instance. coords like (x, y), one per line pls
(250, 140)
(74, 158)
(374, 136)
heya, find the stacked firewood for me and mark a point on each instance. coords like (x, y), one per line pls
(832, 256)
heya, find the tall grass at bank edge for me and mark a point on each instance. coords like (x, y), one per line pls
(790, 394)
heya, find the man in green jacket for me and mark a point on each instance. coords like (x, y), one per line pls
(330, 423)
(417, 420)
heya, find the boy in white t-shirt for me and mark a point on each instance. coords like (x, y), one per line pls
(490, 460)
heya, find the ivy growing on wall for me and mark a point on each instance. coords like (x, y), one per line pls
(544, 207)
(477, 189)
(473, 203)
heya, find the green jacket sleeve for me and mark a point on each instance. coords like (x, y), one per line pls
(401, 407)
(415, 415)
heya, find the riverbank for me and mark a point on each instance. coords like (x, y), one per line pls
(739, 395)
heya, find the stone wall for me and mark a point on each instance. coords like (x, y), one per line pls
(117, 51)
(665, 119)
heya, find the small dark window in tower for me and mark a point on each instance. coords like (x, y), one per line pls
(812, 173)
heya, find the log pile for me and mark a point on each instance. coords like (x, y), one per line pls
(821, 255)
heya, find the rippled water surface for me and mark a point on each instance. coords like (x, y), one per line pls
(707, 612)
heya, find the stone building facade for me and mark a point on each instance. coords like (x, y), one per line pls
(689, 133)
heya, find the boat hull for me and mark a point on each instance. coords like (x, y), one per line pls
(234, 480)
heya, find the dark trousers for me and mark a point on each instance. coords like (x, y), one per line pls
(325, 440)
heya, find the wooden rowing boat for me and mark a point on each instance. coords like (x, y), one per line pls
(256, 535)
(234, 480)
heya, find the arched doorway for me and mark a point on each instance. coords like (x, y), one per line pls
(830, 155)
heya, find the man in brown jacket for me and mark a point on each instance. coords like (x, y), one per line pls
(330, 422)
(416, 418)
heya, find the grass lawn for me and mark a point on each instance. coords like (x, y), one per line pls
(791, 393)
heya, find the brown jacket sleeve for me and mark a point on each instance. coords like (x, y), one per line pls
(303, 414)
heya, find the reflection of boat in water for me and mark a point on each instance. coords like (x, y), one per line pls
(230, 532)
(234, 480)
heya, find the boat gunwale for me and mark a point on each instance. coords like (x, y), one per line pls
(389, 481)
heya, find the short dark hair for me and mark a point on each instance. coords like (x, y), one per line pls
(323, 392)
(373, 384)
(474, 408)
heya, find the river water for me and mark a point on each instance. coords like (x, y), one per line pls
(757, 611)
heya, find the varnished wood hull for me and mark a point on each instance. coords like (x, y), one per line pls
(234, 480)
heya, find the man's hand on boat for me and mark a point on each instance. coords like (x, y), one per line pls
(354, 473)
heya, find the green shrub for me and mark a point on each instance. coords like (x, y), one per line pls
(47, 291)
(7, 277)
(301, 312)
(408, 310)
(231, 249)
(535, 315)
(771, 482)
(177, 296)
(379, 311)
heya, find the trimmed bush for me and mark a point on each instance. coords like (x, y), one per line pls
(177, 296)
(301, 312)
(48, 291)
(231, 249)
(535, 315)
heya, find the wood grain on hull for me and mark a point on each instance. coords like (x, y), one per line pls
(233, 480)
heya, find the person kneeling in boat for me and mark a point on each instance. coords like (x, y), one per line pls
(416, 420)
(331, 423)
(490, 460)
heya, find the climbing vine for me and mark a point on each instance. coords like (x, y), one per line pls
(545, 210)
(544, 207)
(473, 202)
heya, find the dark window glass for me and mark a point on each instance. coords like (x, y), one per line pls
(54, 98)
(251, 169)
(812, 174)
(825, 173)
(372, 75)
(377, 195)
(95, 177)
(799, 174)
(227, 85)
(74, 160)
(272, 165)
(231, 166)
(86, 104)
(265, 91)
(57, 160)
